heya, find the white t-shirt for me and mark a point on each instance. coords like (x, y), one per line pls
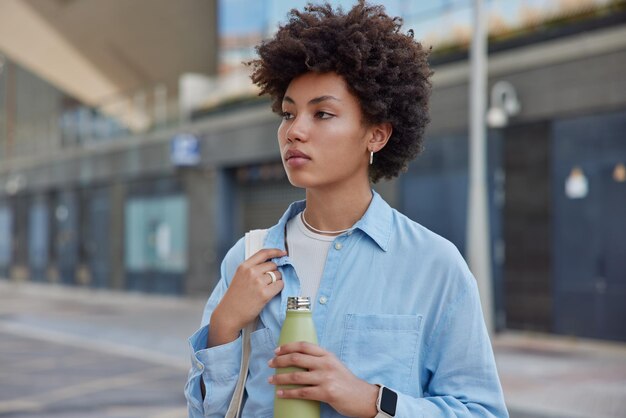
(307, 251)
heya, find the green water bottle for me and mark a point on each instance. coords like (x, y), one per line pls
(298, 326)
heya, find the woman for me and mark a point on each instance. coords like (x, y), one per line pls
(395, 305)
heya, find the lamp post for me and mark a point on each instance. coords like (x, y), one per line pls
(478, 236)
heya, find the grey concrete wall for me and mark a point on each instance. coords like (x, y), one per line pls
(232, 139)
(577, 75)
(31, 107)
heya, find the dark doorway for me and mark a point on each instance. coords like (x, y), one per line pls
(97, 227)
(527, 220)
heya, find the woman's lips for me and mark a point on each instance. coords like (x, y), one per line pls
(295, 162)
(295, 158)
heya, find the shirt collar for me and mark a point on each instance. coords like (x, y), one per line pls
(376, 223)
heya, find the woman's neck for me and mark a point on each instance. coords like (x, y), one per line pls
(334, 209)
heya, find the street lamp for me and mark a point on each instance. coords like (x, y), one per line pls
(504, 103)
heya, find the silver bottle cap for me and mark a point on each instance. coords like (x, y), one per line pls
(298, 303)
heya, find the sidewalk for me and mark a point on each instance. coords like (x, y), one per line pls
(560, 377)
(68, 352)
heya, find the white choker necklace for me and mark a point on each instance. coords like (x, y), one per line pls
(320, 231)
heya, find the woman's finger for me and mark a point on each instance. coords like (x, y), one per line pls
(273, 289)
(265, 254)
(303, 361)
(314, 393)
(273, 276)
(301, 347)
(264, 267)
(296, 378)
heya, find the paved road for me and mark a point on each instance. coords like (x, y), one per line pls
(41, 378)
(67, 352)
(71, 352)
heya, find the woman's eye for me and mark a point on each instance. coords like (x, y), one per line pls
(287, 116)
(324, 115)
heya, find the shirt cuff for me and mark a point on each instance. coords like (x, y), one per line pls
(219, 363)
(409, 406)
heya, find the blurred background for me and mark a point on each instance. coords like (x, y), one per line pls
(134, 151)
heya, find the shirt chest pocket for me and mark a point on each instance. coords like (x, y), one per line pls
(381, 348)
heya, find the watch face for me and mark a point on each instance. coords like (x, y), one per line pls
(388, 402)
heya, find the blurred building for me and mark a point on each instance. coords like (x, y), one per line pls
(132, 165)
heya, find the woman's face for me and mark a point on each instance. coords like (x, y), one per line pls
(323, 140)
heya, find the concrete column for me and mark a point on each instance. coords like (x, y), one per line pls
(116, 240)
(201, 189)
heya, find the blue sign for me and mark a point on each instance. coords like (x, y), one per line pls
(185, 150)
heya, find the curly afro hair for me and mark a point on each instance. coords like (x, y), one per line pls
(385, 69)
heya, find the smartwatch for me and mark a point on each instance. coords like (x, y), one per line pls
(386, 402)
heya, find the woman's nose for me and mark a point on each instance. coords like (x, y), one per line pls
(298, 130)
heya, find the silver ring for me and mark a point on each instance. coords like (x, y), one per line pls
(272, 275)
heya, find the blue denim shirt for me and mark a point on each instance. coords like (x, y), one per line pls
(396, 304)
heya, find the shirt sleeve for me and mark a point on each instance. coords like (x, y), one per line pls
(217, 367)
(463, 380)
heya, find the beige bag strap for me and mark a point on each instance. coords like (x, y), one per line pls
(254, 242)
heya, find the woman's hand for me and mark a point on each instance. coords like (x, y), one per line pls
(326, 379)
(249, 291)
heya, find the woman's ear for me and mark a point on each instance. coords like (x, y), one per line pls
(379, 136)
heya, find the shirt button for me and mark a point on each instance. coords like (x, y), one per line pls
(338, 246)
(323, 300)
